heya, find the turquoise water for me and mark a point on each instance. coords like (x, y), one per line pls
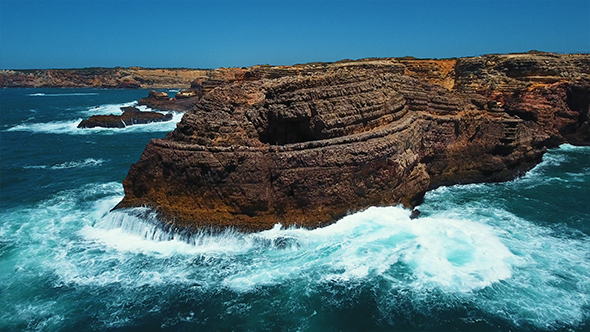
(486, 257)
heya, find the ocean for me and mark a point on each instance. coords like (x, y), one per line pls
(511, 256)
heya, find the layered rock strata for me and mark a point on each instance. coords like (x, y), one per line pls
(133, 77)
(315, 143)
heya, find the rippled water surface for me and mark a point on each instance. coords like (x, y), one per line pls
(487, 257)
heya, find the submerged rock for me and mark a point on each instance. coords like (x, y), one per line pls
(131, 116)
(318, 142)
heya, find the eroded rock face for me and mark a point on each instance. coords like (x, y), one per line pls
(308, 147)
(548, 89)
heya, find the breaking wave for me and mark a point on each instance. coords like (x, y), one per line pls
(462, 253)
(40, 94)
(89, 162)
(107, 109)
(70, 127)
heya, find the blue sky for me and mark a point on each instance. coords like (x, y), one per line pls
(210, 34)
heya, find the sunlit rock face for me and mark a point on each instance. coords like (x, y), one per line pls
(307, 144)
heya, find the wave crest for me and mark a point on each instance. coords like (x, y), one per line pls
(71, 127)
(41, 94)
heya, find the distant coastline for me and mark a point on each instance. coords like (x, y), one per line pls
(179, 78)
(126, 78)
(435, 71)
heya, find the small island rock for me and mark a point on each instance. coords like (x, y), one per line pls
(131, 115)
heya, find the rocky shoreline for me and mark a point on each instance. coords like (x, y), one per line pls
(305, 145)
(131, 116)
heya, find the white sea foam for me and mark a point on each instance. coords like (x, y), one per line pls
(40, 94)
(486, 256)
(455, 255)
(551, 279)
(107, 109)
(115, 109)
(573, 148)
(550, 272)
(503, 263)
(90, 162)
(34, 167)
(70, 127)
(55, 127)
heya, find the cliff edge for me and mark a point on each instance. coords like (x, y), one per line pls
(307, 144)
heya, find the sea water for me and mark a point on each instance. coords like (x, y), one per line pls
(511, 256)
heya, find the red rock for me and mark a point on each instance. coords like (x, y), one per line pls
(319, 142)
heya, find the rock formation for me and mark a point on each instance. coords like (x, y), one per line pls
(131, 116)
(184, 100)
(137, 77)
(307, 144)
(134, 77)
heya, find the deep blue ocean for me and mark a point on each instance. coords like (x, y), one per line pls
(511, 256)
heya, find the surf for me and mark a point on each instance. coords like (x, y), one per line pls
(41, 94)
(482, 257)
(70, 127)
(503, 264)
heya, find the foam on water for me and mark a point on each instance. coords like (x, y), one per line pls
(115, 109)
(62, 94)
(89, 162)
(53, 127)
(471, 252)
(504, 264)
(70, 127)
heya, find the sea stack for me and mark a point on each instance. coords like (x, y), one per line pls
(305, 145)
(131, 116)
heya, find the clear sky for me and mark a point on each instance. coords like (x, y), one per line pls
(210, 34)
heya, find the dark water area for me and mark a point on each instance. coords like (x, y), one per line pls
(484, 257)
(43, 152)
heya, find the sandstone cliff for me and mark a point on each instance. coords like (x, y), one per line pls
(306, 144)
(133, 77)
(98, 78)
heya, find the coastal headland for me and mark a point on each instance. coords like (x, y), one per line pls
(306, 144)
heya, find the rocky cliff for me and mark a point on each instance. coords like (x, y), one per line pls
(307, 144)
(148, 78)
(134, 77)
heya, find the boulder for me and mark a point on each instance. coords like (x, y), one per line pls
(131, 116)
(188, 93)
(158, 95)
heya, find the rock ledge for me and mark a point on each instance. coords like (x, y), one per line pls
(311, 143)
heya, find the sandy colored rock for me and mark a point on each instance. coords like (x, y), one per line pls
(306, 145)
